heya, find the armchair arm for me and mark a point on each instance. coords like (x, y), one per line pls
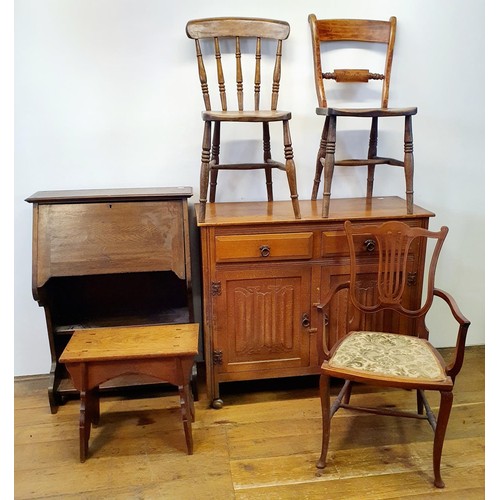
(330, 295)
(455, 366)
(323, 348)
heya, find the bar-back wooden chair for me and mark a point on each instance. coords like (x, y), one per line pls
(325, 33)
(236, 32)
(405, 360)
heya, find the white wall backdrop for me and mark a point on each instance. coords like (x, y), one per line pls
(106, 95)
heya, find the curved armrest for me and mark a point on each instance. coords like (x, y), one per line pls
(323, 348)
(454, 367)
(330, 295)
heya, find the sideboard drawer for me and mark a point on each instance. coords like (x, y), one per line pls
(263, 247)
(334, 244)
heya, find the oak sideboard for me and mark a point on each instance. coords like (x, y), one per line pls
(264, 271)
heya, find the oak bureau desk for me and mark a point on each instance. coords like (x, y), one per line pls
(264, 271)
(105, 258)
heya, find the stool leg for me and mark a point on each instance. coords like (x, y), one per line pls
(194, 382)
(84, 425)
(94, 408)
(186, 412)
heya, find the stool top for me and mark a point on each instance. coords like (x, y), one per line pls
(127, 342)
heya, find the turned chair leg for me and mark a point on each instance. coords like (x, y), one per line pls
(329, 163)
(266, 144)
(408, 164)
(205, 169)
(442, 422)
(319, 161)
(372, 153)
(214, 173)
(290, 169)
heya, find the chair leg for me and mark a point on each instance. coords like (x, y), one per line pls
(408, 164)
(372, 153)
(442, 422)
(420, 403)
(324, 392)
(205, 169)
(329, 163)
(290, 169)
(347, 395)
(267, 156)
(214, 173)
(319, 161)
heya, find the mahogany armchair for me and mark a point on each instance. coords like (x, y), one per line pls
(327, 35)
(398, 359)
(214, 35)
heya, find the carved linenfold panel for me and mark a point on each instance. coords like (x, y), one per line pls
(264, 317)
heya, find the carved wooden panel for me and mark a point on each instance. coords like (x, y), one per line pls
(264, 310)
(103, 238)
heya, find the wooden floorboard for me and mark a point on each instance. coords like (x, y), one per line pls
(263, 443)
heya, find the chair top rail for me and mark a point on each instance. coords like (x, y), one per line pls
(237, 26)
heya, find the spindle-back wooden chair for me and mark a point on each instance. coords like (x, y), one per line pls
(325, 34)
(238, 29)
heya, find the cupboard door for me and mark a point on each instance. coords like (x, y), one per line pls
(261, 319)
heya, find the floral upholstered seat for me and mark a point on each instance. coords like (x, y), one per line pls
(388, 354)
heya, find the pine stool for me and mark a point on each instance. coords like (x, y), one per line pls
(96, 355)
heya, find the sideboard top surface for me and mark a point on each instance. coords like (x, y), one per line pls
(115, 194)
(227, 214)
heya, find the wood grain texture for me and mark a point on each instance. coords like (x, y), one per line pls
(242, 213)
(126, 342)
(262, 444)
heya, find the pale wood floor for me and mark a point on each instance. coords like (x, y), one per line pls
(262, 444)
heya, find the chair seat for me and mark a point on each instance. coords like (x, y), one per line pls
(367, 112)
(387, 355)
(246, 116)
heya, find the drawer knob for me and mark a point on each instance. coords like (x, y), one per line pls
(369, 245)
(265, 251)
